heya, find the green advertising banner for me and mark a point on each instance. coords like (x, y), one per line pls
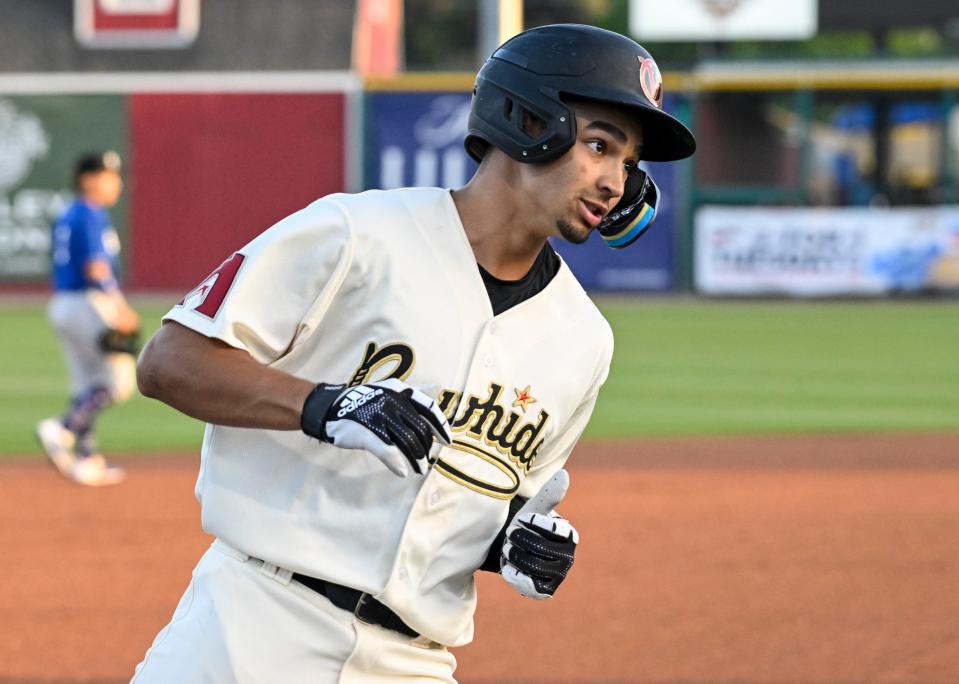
(41, 136)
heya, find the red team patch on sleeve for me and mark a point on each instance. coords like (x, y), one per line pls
(207, 297)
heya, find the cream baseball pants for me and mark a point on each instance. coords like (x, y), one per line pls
(245, 621)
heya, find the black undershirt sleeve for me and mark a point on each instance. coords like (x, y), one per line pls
(491, 564)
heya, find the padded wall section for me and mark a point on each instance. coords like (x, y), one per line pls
(211, 171)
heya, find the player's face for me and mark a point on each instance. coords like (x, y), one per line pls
(103, 187)
(584, 185)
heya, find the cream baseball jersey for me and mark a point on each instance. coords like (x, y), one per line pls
(359, 288)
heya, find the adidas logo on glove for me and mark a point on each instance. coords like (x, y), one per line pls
(390, 420)
(356, 398)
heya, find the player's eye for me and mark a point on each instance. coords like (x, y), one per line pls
(629, 165)
(598, 146)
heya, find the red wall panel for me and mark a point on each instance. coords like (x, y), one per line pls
(211, 171)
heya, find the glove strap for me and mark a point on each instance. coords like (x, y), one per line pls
(315, 409)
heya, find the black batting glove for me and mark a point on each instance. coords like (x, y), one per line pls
(540, 543)
(393, 421)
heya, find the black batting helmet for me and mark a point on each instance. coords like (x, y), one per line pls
(532, 73)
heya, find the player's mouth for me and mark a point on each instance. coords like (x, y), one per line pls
(591, 212)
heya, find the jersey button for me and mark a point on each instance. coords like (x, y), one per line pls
(492, 328)
(402, 573)
(434, 498)
(488, 360)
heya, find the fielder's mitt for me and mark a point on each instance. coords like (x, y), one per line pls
(114, 341)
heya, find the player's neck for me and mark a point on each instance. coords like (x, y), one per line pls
(503, 240)
(93, 200)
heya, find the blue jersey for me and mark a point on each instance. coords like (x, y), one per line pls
(81, 234)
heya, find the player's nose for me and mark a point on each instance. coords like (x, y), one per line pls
(612, 182)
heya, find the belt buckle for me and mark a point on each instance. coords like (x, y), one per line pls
(364, 597)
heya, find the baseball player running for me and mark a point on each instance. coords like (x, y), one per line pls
(95, 325)
(393, 382)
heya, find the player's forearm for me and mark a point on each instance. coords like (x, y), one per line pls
(213, 382)
(100, 275)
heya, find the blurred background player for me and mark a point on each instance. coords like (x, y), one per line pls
(96, 326)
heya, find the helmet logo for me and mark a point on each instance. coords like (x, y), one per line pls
(651, 80)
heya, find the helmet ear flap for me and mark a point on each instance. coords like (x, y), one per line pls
(528, 129)
(634, 213)
(525, 123)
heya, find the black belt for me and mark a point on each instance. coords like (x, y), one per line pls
(362, 605)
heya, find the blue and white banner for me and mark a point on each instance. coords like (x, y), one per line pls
(822, 252)
(416, 139)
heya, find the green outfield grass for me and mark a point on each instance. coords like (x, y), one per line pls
(745, 367)
(681, 368)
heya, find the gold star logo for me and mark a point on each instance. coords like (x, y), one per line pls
(523, 398)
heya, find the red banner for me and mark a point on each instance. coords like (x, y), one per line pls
(211, 171)
(378, 37)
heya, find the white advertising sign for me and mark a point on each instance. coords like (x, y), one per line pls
(723, 19)
(822, 252)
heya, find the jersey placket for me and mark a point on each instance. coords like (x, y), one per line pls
(426, 531)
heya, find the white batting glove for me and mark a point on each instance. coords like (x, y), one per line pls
(540, 543)
(391, 420)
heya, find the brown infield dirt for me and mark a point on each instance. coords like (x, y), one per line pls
(802, 559)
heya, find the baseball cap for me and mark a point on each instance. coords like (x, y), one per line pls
(94, 162)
